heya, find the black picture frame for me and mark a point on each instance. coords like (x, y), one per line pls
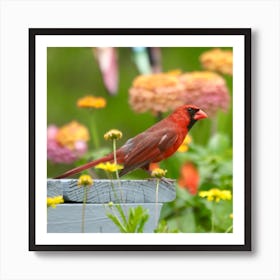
(246, 32)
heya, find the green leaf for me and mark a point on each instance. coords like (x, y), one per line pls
(137, 219)
(135, 222)
(121, 212)
(218, 143)
(117, 222)
(163, 228)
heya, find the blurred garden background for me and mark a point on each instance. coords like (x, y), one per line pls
(133, 88)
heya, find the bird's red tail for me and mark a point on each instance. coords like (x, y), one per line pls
(85, 166)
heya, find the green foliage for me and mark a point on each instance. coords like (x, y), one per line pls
(134, 223)
(191, 213)
(163, 228)
(74, 73)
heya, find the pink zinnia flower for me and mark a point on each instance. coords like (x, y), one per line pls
(207, 90)
(63, 152)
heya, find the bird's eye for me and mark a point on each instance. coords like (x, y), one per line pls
(190, 110)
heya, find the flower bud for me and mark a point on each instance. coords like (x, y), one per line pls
(113, 134)
(85, 180)
(158, 172)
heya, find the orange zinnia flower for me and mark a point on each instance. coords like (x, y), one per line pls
(218, 60)
(156, 92)
(91, 102)
(70, 133)
(189, 178)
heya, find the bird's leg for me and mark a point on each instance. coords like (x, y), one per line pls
(147, 169)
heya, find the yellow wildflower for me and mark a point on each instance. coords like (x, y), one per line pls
(108, 166)
(158, 172)
(70, 133)
(85, 180)
(53, 201)
(185, 145)
(216, 195)
(218, 60)
(91, 102)
(231, 216)
(111, 203)
(113, 134)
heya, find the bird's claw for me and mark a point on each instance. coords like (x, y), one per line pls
(164, 180)
(168, 181)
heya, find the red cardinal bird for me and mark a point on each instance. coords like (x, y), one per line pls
(153, 145)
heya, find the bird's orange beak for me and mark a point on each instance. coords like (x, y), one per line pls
(200, 115)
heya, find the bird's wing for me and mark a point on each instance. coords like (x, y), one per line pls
(146, 147)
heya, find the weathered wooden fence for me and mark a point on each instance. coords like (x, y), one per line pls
(66, 217)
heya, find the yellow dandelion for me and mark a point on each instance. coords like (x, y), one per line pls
(231, 216)
(85, 180)
(91, 102)
(53, 201)
(110, 167)
(113, 134)
(158, 172)
(216, 195)
(185, 145)
(70, 133)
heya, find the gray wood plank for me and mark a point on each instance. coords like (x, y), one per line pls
(54, 188)
(66, 218)
(104, 191)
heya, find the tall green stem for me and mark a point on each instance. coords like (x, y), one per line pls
(94, 132)
(213, 217)
(115, 162)
(214, 126)
(159, 116)
(115, 157)
(229, 229)
(112, 184)
(83, 209)
(156, 215)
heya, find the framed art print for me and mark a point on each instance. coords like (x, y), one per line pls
(140, 139)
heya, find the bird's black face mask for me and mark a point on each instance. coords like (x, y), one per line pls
(191, 112)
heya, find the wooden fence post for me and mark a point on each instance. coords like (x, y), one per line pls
(66, 217)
